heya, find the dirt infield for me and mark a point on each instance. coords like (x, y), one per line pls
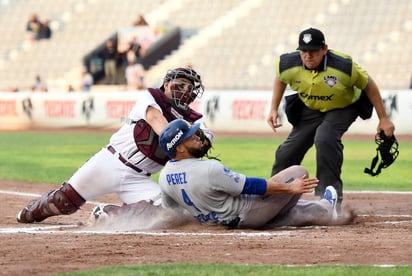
(380, 235)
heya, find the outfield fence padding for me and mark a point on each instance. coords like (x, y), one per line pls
(239, 111)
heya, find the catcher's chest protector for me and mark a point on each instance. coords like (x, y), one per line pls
(147, 140)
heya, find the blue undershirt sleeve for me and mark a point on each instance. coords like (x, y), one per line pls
(255, 186)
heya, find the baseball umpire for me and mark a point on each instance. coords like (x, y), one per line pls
(213, 194)
(124, 166)
(332, 91)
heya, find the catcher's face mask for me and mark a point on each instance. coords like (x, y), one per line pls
(183, 93)
(185, 86)
(387, 150)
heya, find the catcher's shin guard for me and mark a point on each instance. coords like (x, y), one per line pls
(63, 201)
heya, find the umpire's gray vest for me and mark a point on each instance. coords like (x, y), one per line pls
(146, 139)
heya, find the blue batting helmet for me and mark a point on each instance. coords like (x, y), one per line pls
(174, 134)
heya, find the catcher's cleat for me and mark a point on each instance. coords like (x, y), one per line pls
(24, 216)
(101, 214)
(331, 196)
(63, 201)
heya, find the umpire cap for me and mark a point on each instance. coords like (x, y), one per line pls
(174, 134)
(311, 40)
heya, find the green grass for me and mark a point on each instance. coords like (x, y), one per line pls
(255, 156)
(229, 269)
(45, 157)
(53, 157)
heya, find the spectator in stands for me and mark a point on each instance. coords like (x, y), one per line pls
(135, 51)
(45, 31)
(12, 89)
(34, 26)
(86, 81)
(39, 85)
(134, 76)
(141, 21)
(110, 56)
(70, 88)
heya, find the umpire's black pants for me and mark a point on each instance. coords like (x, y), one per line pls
(325, 130)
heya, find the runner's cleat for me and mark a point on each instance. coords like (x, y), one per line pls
(331, 196)
(100, 214)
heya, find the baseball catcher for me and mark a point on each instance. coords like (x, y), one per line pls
(131, 156)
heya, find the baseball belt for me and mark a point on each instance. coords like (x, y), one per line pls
(126, 162)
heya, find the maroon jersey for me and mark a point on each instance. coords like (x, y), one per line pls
(146, 139)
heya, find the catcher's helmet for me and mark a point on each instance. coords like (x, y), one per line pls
(174, 134)
(183, 95)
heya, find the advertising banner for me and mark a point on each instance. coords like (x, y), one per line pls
(224, 111)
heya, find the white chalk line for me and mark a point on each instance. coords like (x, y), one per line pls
(57, 229)
(385, 216)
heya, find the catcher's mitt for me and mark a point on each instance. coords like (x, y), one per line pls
(387, 150)
(207, 144)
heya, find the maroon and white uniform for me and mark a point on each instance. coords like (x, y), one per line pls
(137, 143)
(125, 165)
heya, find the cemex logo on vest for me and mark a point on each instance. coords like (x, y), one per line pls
(317, 97)
(175, 139)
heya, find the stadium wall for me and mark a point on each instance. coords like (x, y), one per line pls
(225, 111)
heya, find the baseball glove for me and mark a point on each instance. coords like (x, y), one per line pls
(206, 142)
(387, 150)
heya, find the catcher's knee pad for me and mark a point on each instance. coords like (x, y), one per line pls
(63, 201)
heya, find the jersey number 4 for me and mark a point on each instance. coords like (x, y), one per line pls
(187, 200)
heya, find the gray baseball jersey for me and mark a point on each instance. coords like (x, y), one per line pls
(208, 190)
(213, 194)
